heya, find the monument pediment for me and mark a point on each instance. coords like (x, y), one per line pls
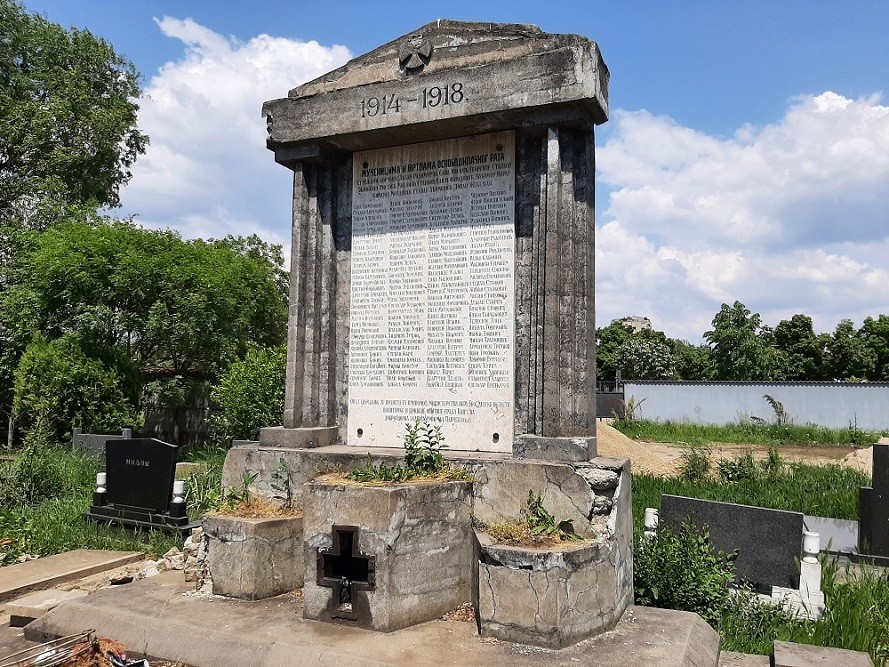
(443, 80)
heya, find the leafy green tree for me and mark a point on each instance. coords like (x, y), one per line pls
(692, 361)
(740, 345)
(57, 386)
(848, 356)
(174, 307)
(875, 334)
(167, 315)
(68, 113)
(646, 358)
(250, 395)
(608, 342)
(800, 349)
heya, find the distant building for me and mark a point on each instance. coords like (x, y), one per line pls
(634, 322)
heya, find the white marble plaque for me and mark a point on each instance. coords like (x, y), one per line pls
(433, 296)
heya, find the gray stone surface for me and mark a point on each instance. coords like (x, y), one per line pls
(769, 542)
(554, 449)
(94, 443)
(788, 654)
(549, 598)
(25, 609)
(838, 536)
(733, 659)
(420, 535)
(254, 558)
(43, 573)
(149, 616)
(298, 438)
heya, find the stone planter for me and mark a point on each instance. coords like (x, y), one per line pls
(386, 557)
(550, 598)
(254, 558)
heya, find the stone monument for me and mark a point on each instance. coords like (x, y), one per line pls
(443, 242)
(442, 269)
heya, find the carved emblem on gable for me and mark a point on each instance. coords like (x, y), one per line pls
(414, 55)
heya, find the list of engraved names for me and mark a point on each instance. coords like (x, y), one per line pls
(432, 301)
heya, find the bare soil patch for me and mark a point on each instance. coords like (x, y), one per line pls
(663, 459)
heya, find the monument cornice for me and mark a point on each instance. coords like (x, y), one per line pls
(444, 80)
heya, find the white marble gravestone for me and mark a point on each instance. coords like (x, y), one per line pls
(432, 293)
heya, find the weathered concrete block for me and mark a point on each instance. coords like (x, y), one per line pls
(298, 438)
(788, 654)
(554, 449)
(557, 597)
(254, 558)
(548, 598)
(418, 535)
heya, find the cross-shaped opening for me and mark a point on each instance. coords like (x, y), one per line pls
(343, 568)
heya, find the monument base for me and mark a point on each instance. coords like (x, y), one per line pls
(570, 449)
(299, 438)
(133, 517)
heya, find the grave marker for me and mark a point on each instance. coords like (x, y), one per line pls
(138, 492)
(873, 529)
(768, 541)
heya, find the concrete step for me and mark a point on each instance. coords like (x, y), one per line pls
(32, 606)
(153, 616)
(788, 654)
(732, 659)
(37, 575)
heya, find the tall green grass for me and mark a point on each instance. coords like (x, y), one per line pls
(44, 494)
(745, 432)
(830, 491)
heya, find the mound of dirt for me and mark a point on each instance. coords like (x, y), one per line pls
(612, 442)
(860, 459)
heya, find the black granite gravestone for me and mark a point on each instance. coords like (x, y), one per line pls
(768, 542)
(873, 527)
(140, 474)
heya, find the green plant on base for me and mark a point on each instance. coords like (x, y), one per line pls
(283, 477)
(422, 458)
(535, 521)
(242, 494)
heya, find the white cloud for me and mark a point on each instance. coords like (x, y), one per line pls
(207, 171)
(787, 218)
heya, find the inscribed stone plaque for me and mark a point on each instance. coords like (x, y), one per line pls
(432, 297)
(768, 541)
(140, 473)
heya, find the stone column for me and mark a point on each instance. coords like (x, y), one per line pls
(555, 309)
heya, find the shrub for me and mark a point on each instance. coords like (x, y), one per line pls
(250, 395)
(681, 570)
(740, 468)
(695, 464)
(57, 386)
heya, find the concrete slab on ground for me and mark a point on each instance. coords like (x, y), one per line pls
(732, 659)
(29, 607)
(36, 575)
(160, 618)
(788, 654)
(12, 639)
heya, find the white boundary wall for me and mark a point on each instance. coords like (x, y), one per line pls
(829, 404)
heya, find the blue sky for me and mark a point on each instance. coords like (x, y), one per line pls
(747, 156)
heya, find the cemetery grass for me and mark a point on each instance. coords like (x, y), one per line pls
(829, 491)
(749, 432)
(43, 495)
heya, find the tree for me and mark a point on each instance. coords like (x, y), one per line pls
(646, 358)
(152, 307)
(875, 334)
(848, 356)
(800, 350)
(739, 348)
(57, 386)
(68, 117)
(692, 361)
(250, 395)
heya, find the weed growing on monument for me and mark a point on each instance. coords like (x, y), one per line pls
(423, 459)
(536, 527)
